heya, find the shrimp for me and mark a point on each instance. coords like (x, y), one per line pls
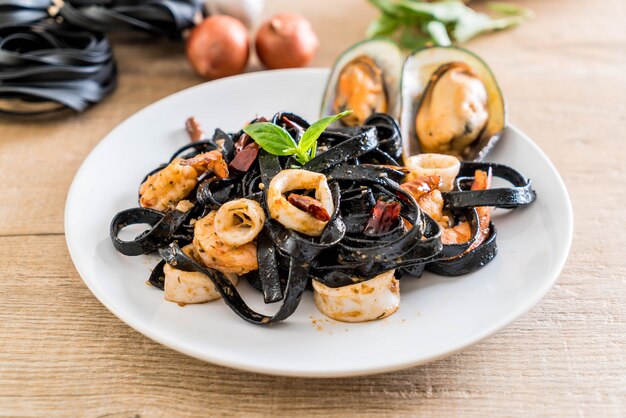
(163, 190)
(218, 255)
(185, 287)
(457, 234)
(482, 181)
(376, 298)
(462, 232)
(426, 193)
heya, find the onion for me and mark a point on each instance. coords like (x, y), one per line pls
(286, 40)
(218, 47)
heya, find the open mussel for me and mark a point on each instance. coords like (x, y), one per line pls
(366, 79)
(451, 104)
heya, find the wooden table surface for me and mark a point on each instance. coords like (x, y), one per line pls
(564, 77)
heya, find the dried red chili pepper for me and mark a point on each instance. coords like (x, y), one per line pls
(384, 217)
(194, 129)
(292, 124)
(245, 158)
(310, 205)
(244, 140)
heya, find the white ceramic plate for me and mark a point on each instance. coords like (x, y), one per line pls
(438, 316)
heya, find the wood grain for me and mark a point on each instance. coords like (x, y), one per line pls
(564, 76)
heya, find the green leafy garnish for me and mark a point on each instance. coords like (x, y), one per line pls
(415, 23)
(509, 9)
(438, 32)
(277, 141)
(272, 138)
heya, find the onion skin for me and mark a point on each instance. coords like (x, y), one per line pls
(286, 40)
(218, 47)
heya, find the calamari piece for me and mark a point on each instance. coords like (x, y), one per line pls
(376, 298)
(290, 215)
(424, 165)
(163, 190)
(186, 287)
(238, 222)
(217, 254)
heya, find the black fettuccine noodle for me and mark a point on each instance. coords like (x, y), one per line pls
(161, 17)
(49, 66)
(361, 168)
(15, 12)
(55, 56)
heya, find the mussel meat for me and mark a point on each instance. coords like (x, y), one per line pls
(453, 111)
(360, 87)
(366, 79)
(451, 104)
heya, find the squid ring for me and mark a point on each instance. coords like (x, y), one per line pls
(185, 287)
(375, 298)
(290, 216)
(238, 222)
(445, 166)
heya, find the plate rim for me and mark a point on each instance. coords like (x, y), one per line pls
(163, 339)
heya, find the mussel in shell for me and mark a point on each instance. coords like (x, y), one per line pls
(452, 104)
(453, 111)
(366, 79)
(360, 87)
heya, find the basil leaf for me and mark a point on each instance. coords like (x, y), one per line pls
(272, 138)
(416, 23)
(473, 25)
(385, 25)
(445, 11)
(438, 32)
(411, 38)
(309, 139)
(509, 9)
(386, 6)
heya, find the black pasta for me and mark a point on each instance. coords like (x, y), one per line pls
(50, 66)
(364, 175)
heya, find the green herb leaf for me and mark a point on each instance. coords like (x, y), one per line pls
(411, 38)
(445, 11)
(473, 25)
(277, 141)
(510, 9)
(416, 23)
(438, 32)
(272, 138)
(308, 142)
(386, 6)
(385, 25)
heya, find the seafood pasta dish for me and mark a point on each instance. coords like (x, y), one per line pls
(387, 184)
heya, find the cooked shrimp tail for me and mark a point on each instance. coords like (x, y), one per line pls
(482, 181)
(208, 161)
